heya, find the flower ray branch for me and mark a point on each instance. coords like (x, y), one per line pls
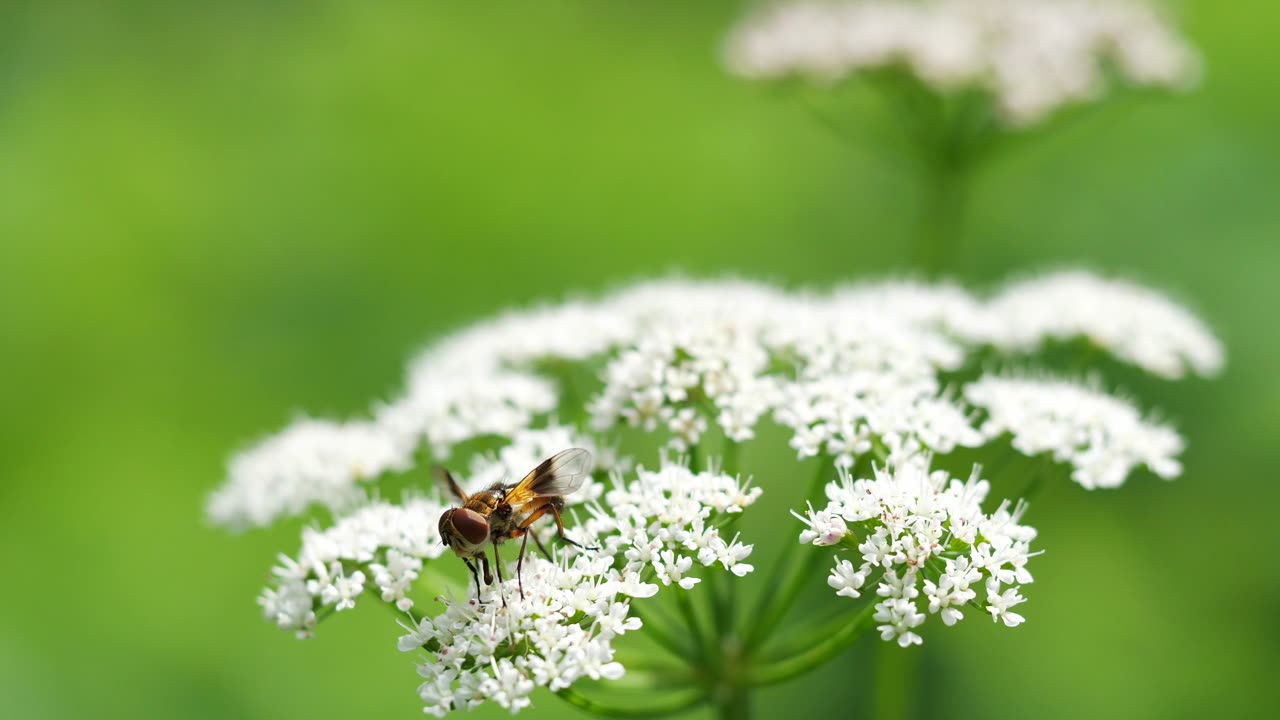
(679, 704)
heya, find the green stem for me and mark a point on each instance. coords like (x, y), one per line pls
(721, 617)
(729, 461)
(809, 634)
(646, 676)
(737, 706)
(993, 471)
(731, 691)
(695, 457)
(941, 225)
(701, 641)
(673, 705)
(815, 655)
(659, 632)
(893, 682)
(784, 598)
(1037, 478)
(777, 598)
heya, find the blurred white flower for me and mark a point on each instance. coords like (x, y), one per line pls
(839, 370)
(1102, 436)
(311, 461)
(449, 404)
(1134, 323)
(1033, 56)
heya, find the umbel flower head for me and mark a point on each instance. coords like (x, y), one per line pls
(922, 537)
(1031, 56)
(879, 387)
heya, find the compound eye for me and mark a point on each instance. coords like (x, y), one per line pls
(471, 525)
(446, 519)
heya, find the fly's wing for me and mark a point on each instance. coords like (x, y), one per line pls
(560, 474)
(446, 479)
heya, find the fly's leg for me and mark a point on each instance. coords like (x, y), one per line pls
(560, 527)
(554, 509)
(497, 565)
(475, 575)
(541, 547)
(520, 564)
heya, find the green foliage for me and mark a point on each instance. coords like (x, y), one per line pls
(215, 215)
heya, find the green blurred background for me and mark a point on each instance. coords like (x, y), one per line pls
(216, 215)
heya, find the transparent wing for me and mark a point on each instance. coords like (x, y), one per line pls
(560, 474)
(446, 478)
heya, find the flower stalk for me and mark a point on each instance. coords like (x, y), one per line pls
(677, 704)
(778, 597)
(941, 229)
(817, 654)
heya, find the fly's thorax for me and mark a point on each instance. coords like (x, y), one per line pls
(502, 525)
(485, 502)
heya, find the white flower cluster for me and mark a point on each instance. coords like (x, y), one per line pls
(664, 520)
(676, 374)
(1132, 322)
(870, 369)
(1102, 436)
(838, 369)
(500, 649)
(389, 541)
(561, 630)
(924, 541)
(1034, 56)
(842, 416)
(312, 461)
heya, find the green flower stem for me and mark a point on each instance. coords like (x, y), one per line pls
(942, 217)
(777, 598)
(729, 460)
(737, 706)
(767, 622)
(658, 630)
(893, 682)
(726, 599)
(994, 470)
(324, 614)
(721, 623)
(815, 655)
(806, 636)
(704, 645)
(695, 458)
(640, 676)
(1043, 468)
(676, 704)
